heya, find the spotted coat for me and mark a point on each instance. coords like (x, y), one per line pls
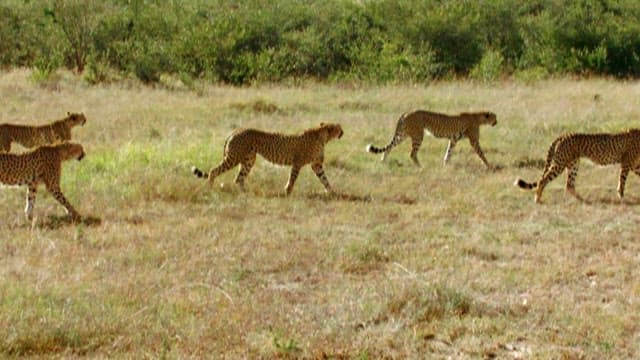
(42, 165)
(32, 136)
(453, 127)
(296, 151)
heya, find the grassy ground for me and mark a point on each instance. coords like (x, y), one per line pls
(433, 262)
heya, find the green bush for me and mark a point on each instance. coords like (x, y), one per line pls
(490, 67)
(77, 20)
(247, 41)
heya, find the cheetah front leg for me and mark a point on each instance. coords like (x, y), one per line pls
(447, 154)
(57, 194)
(317, 168)
(31, 200)
(295, 170)
(452, 143)
(624, 172)
(475, 144)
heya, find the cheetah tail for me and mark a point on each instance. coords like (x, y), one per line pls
(550, 154)
(397, 138)
(199, 173)
(375, 150)
(525, 185)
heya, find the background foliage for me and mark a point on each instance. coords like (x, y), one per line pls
(248, 41)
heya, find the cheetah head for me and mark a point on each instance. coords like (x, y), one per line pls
(489, 118)
(76, 118)
(333, 130)
(70, 151)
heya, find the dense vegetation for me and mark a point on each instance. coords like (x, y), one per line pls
(248, 41)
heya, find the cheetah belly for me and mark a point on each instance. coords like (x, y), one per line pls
(443, 133)
(13, 179)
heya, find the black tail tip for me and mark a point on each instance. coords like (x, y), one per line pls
(523, 184)
(197, 172)
(372, 149)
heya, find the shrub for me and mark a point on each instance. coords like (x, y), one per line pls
(241, 42)
(78, 20)
(490, 67)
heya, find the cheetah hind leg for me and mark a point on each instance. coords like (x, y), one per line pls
(572, 172)
(548, 176)
(397, 139)
(415, 146)
(226, 165)
(245, 168)
(31, 199)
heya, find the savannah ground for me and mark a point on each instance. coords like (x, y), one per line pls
(409, 263)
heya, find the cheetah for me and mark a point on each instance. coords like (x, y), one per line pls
(601, 148)
(32, 136)
(42, 165)
(453, 127)
(243, 145)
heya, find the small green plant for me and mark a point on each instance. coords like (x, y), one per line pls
(362, 257)
(490, 67)
(533, 74)
(285, 346)
(428, 304)
(45, 69)
(148, 66)
(99, 72)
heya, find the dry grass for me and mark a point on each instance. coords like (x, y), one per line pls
(408, 263)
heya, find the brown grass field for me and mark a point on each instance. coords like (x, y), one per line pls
(432, 262)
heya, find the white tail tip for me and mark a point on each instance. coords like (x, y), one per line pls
(369, 147)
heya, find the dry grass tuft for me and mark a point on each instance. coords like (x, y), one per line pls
(357, 106)
(55, 221)
(403, 262)
(527, 162)
(257, 106)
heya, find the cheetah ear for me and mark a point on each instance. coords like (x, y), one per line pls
(322, 124)
(68, 113)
